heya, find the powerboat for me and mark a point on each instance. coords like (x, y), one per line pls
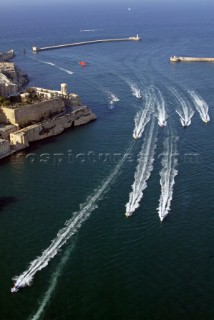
(15, 288)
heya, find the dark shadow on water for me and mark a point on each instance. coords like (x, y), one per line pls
(6, 201)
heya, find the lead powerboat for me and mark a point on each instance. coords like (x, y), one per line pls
(15, 288)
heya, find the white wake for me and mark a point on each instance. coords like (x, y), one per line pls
(135, 90)
(65, 70)
(161, 111)
(112, 98)
(167, 174)
(201, 106)
(53, 284)
(70, 228)
(143, 116)
(90, 30)
(53, 65)
(185, 111)
(143, 170)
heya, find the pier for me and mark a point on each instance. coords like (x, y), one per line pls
(190, 59)
(36, 49)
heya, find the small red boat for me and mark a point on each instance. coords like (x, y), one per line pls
(83, 63)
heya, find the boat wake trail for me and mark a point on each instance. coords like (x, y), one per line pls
(143, 170)
(54, 65)
(167, 174)
(70, 228)
(46, 62)
(135, 90)
(112, 99)
(90, 30)
(161, 111)
(53, 284)
(65, 70)
(201, 106)
(185, 111)
(143, 116)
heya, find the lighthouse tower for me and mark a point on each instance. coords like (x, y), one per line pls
(64, 89)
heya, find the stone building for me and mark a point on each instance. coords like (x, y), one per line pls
(39, 114)
(7, 87)
(12, 80)
(71, 98)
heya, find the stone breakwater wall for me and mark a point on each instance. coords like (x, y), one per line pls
(22, 138)
(191, 59)
(36, 49)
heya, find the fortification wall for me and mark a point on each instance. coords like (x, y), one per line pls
(4, 146)
(6, 130)
(7, 115)
(21, 139)
(28, 114)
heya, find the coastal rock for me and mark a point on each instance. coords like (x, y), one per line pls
(14, 74)
(5, 56)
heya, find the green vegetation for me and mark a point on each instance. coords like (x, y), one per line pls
(4, 101)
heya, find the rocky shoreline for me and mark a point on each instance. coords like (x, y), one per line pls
(5, 56)
(13, 77)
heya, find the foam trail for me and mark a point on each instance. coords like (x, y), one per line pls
(90, 30)
(70, 228)
(167, 174)
(143, 117)
(112, 99)
(45, 62)
(65, 70)
(201, 106)
(54, 65)
(53, 284)
(135, 90)
(185, 112)
(161, 114)
(143, 170)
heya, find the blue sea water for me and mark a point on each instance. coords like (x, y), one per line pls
(112, 267)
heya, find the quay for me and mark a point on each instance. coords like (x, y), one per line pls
(190, 59)
(36, 49)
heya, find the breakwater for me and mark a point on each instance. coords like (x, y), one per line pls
(36, 49)
(191, 59)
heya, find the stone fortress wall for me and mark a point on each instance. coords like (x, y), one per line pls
(25, 123)
(27, 114)
(51, 127)
(4, 147)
